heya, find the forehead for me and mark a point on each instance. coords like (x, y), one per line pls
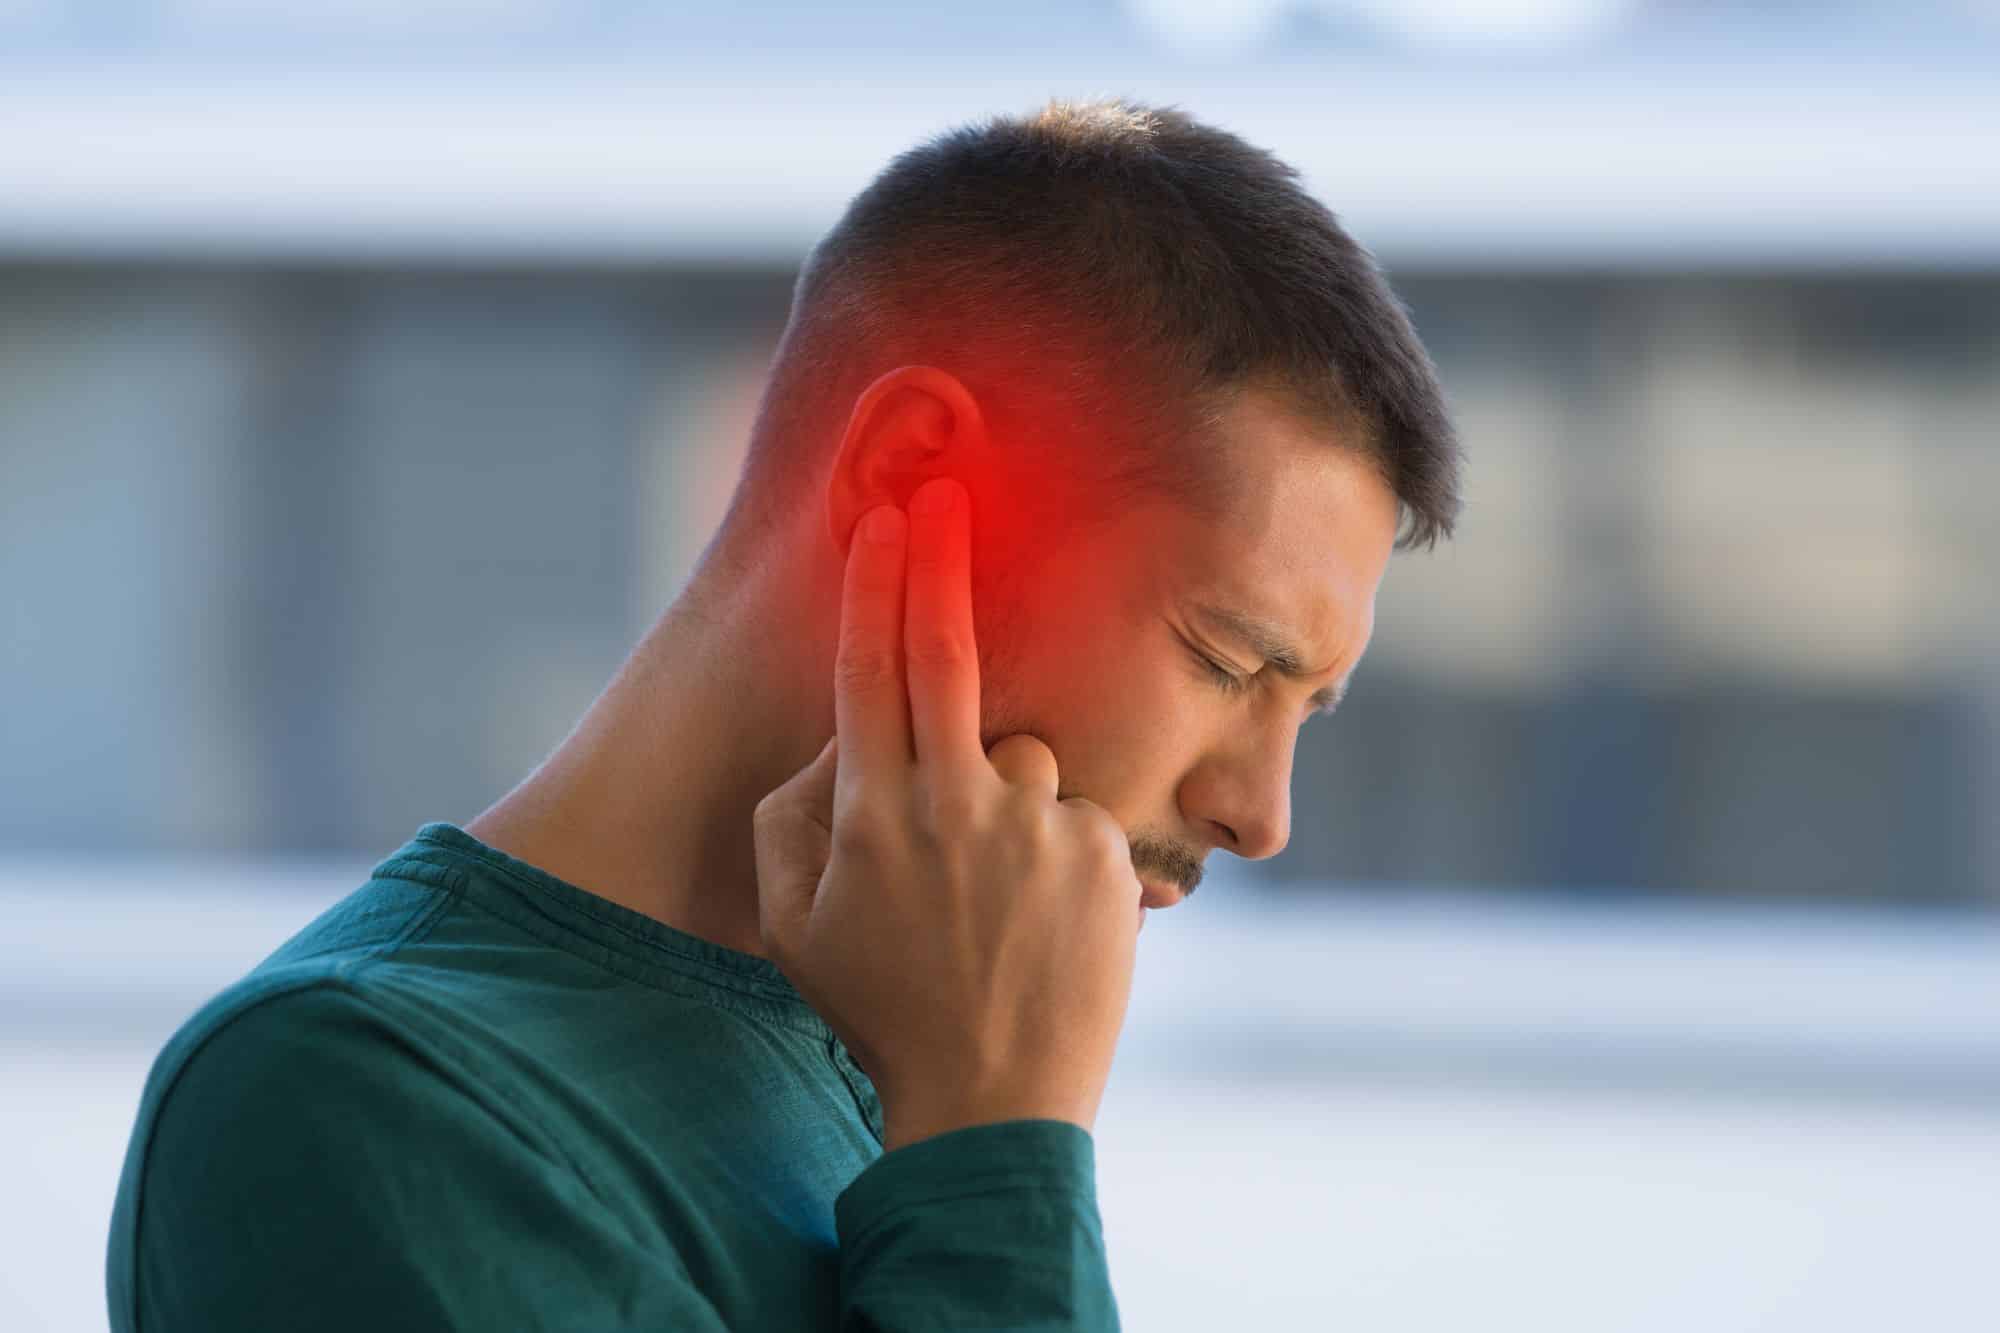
(1302, 534)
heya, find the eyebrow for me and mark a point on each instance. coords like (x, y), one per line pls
(1268, 641)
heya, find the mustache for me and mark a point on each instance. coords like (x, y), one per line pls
(1166, 861)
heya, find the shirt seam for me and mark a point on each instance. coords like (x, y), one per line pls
(411, 931)
(532, 896)
(618, 964)
(861, 1103)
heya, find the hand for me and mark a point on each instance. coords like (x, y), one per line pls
(967, 935)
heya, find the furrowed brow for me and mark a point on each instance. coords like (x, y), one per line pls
(1268, 641)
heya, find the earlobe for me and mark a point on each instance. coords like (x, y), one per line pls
(911, 424)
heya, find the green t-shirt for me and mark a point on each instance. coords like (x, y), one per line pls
(473, 1096)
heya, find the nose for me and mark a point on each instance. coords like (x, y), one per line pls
(1246, 799)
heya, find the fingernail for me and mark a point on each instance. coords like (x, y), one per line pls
(937, 496)
(883, 526)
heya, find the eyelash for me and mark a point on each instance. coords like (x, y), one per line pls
(1228, 681)
(1231, 683)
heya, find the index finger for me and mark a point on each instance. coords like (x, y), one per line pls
(871, 712)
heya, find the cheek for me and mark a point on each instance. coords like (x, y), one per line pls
(1117, 718)
(1073, 657)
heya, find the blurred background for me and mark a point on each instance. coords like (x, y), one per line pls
(371, 374)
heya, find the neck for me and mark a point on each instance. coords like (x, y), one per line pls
(648, 801)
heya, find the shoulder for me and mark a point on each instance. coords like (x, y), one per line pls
(299, 1017)
(270, 1032)
(304, 1062)
(317, 1008)
(270, 1077)
(298, 1124)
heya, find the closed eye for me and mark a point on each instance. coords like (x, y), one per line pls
(1228, 681)
(1232, 684)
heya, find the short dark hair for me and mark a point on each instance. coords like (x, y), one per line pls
(1105, 274)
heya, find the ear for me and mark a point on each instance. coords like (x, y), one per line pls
(912, 424)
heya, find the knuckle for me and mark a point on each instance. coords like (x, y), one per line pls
(952, 810)
(860, 669)
(780, 805)
(856, 834)
(936, 649)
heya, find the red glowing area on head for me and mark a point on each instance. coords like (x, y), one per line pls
(1026, 470)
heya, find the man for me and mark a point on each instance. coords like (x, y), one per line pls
(782, 995)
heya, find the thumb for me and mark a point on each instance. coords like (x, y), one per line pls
(793, 829)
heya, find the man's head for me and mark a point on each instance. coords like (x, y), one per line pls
(1183, 400)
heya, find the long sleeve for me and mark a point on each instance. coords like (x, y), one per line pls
(992, 1227)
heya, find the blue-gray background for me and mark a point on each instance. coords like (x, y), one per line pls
(371, 373)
